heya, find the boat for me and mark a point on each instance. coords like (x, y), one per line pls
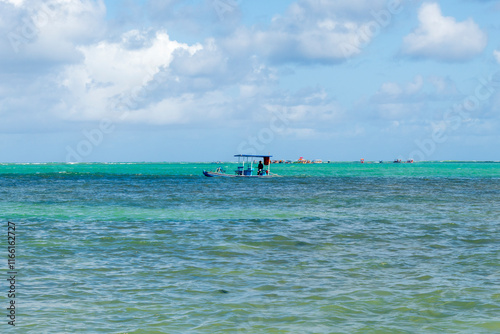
(245, 168)
(398, 161)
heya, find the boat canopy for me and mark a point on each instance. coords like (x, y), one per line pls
(252, 155)
(267, 158)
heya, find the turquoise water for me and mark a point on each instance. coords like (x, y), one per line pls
(330, 248)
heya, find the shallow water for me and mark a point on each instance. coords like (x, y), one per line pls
(330, 248)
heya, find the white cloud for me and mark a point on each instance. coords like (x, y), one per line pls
(496, 53)
(411, 102)
(313, 31)
(444, 86)
(47, 32)
(443, 38)
(145, 77)
(39, 39)
(14, 2)
(117, 70)
(353, 9)
(392, 90)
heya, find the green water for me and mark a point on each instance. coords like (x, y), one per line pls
(336, 169)
(328, 248)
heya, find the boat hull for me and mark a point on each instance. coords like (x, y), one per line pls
(216, 174)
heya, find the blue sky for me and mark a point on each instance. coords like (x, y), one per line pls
(201, 80)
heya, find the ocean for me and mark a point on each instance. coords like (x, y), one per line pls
(327, 248)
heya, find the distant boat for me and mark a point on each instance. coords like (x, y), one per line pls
(398, 161)
(245, 168)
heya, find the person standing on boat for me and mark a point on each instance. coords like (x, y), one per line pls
(260, 168)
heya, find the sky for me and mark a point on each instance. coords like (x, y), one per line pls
(202, 80)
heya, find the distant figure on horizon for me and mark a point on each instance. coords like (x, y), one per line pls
(260, 168)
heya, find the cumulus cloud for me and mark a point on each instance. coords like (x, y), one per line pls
(314, 31)
(443, 38)
(146, 77)
(46, 33)
(116, 74)
(40, 39)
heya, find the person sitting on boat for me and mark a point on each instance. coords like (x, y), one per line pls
(260, 168)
